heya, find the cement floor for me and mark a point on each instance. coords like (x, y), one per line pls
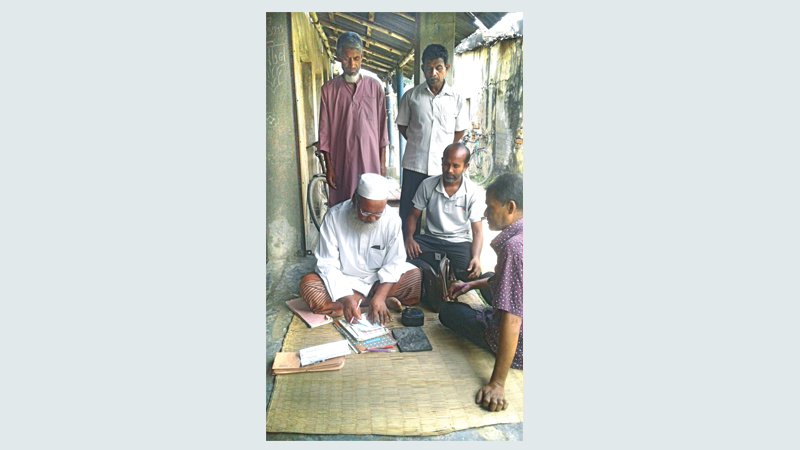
(283, 278)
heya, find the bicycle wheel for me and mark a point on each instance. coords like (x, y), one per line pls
(317, 199)
(480, 166)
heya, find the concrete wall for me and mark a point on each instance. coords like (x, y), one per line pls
(491, 78)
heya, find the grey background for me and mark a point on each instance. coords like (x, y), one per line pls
(661, 172)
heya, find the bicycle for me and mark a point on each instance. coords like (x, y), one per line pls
(481, 163)
(317, 193)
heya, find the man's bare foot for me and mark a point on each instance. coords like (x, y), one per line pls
(394, 304)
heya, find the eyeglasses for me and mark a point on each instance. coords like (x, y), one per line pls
(367, 214)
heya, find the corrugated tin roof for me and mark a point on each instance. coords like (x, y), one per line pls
(389, 36)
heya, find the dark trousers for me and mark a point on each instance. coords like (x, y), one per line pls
(411, 181)
(457, 252)
(460, 318)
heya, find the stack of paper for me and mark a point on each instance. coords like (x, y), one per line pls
(319, 353)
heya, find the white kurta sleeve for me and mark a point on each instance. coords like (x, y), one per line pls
(394, 263)
(328, 263)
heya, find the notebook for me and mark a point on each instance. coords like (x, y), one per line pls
(301, 308)
(289, 362)
(412, 339)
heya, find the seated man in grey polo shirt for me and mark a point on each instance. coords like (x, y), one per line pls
(453, 217)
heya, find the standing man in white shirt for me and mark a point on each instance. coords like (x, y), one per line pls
(361, 258)
(453, 223)
(430, 116)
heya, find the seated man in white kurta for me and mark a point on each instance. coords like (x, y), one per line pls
(361, 258)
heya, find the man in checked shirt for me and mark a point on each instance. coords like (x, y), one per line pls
(498, 328)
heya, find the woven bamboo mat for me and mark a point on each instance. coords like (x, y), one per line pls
(408, 394)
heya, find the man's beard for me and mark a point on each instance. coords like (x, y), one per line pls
(351, 78)
(447, 177)
(358, 225)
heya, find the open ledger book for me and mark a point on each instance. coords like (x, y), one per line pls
(363, 330)
(380, 342)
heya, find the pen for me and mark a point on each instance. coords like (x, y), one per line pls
(380, 350)
(458, 288)
(357, 306)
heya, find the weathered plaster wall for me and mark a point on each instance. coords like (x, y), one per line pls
(284, 218)
(311, 69)
(491, 78)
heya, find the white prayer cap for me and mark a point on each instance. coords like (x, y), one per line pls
(373, 187)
